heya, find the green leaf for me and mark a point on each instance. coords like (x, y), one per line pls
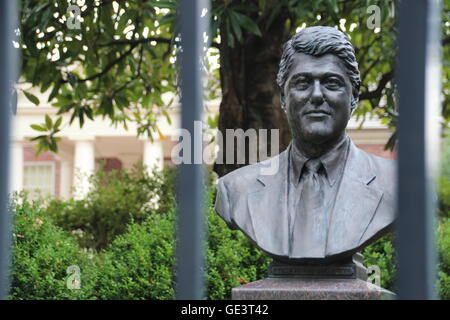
(38, 128)
(73, 79)
(122, 101)
(47, 80)
(81, 116)
(38, 138)
(262, 5)
(230, 37)
(248, 24)
(81, 90)
(234, 20)
(106, 107)
(72, 118)
(55, 90)
(275, 12)
(48, 121)
(167, 116)
(53, 146)
(146, 100)
(32, 98)
(106, 13)
(89, 113)
(58, 123)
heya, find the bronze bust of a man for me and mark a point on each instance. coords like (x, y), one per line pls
(328, 198)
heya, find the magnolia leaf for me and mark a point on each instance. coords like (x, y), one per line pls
(38, 128)
(32, 98)
(48, 121)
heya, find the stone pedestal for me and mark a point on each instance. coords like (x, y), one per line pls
(345, 280)
(310, 289)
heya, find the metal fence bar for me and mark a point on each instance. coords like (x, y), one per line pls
(191, 186)
(418, 76)
(7, 69)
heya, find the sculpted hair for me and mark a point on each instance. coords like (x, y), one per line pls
(317, 41)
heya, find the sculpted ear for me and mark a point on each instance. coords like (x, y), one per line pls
(354, 103)
(283, 100)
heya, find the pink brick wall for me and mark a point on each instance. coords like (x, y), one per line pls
(110, 164)
(378, 150)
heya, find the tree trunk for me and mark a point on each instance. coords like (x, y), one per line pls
(250, 94)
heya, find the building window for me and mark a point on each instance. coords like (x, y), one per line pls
(39, 179)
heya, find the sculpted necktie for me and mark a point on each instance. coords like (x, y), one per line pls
(310, 222)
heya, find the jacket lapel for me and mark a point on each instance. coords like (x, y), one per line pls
(355, 204)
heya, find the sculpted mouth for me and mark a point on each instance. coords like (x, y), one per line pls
(318, 112)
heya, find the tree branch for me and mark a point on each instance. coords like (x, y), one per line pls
(370, 67)
(381, 85)
(109, 66)
(146, 40)
(135, 41)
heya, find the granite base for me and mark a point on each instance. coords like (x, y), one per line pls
(310, 289)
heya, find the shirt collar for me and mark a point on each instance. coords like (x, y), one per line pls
(333, 161)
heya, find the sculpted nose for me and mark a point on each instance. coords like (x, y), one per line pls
(317, 94)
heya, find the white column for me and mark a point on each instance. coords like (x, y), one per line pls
(65, 179)
(84, 165)
(153, 155)
(16, 165)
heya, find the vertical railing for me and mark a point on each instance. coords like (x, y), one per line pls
(7, 75)
(191, 186)
(418, 77)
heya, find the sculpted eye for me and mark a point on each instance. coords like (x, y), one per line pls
(301, 83)
(333, 83)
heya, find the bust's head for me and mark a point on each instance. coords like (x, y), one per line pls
(319, 82)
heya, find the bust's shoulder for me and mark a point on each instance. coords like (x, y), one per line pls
(385, 169)
(382, 165)
(242, 177)
(245, 177)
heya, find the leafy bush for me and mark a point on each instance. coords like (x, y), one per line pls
(444, 180)
(443, 234)
(116, 198)
(382, 254)
(42, 252)
(139, 264)
(443, 241)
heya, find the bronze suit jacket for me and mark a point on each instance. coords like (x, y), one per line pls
(364, 209)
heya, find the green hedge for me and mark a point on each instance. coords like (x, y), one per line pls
(382, 254)
(139, 264)
(135, 260)
(42, 254)
(115, 199)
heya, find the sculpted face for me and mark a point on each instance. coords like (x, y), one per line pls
(318, 96)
